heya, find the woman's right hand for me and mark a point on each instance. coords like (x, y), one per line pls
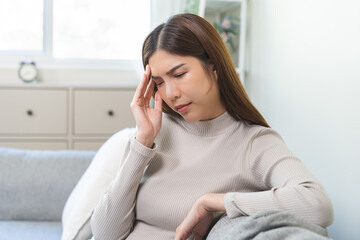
(148, 120)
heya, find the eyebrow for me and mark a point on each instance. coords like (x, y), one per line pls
(171, 70)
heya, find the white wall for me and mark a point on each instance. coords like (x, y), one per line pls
(304, 76)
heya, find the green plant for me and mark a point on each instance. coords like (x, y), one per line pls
(228, 28)
(192, 6)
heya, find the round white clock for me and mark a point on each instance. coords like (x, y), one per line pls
(27, 71)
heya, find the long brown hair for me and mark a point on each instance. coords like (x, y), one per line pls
(191, 35)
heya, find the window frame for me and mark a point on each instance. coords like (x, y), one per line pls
(45, 58)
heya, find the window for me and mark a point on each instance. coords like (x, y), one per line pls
(73, 30)
(21, 24)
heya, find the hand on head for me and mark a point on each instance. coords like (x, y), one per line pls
(148, 120)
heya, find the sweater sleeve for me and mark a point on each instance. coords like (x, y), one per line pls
(287, 184)
(114, 215)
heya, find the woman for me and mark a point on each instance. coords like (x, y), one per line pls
(202, 150)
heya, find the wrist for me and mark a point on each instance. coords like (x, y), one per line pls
(145, 141)
(213, 202)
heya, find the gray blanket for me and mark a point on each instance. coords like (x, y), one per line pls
(263, 225)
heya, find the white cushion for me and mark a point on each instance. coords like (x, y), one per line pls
(93, 185)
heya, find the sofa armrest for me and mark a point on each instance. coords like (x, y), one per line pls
(34, 184)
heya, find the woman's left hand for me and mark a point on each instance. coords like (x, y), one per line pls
(200, 216)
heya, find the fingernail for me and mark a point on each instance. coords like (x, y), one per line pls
(146, 68)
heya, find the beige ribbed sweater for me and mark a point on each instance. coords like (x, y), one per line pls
(155, 188)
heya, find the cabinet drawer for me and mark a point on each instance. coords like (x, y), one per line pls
(31, 111)
(102, 112)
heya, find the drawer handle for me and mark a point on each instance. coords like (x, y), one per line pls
(111, 113)
(29, 112)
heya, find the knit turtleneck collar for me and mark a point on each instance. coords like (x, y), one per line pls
(211, 127)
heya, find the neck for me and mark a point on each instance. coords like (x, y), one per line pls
(215, 114)
(211, 127)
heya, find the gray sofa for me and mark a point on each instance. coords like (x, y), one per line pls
(34, 186)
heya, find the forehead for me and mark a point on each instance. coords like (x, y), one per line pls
(162, 61)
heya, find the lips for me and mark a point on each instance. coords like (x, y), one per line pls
(183, 107)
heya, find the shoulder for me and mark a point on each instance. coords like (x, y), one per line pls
(256, 132)
(266, 147)
(258, 138)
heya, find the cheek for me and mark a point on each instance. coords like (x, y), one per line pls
(196, 85)
(163, 96)
(162, 93)
(194, 91)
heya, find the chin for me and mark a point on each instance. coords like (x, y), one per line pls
(190, 118)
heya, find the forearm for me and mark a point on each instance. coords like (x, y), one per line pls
(113, 216)
(309, 202)
(285, 183)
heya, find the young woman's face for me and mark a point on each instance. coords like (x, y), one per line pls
(185, 86)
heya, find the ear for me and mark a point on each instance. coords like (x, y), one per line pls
(214, 72)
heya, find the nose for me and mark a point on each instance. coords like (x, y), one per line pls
(172, 91)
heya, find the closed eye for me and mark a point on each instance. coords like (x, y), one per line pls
(157, 80)
(158, 84)
(179, 75)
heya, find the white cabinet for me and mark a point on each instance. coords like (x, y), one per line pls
(98, 112)
(33, 111)
(60, 116)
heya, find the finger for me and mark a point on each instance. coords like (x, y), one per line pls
(179, 237)
(158, 101)
(149, 91)
(140, 90)
(179, 233)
